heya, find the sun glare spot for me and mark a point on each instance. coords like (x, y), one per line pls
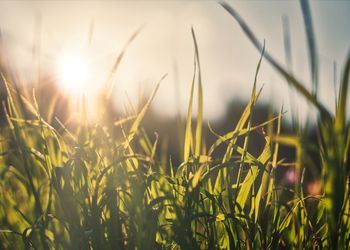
(73, 73)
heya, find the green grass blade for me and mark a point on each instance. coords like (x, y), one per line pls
(138, 119)
(233, 134)
(188, 129)
(198, 142)
(252, 175)
(110, 82)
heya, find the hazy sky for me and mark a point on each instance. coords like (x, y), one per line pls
(165, 45)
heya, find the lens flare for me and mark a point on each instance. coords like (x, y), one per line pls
(73, 73)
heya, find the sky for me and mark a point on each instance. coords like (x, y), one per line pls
(165, 45)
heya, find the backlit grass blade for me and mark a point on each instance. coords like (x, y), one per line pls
(124, 120)
(233, 134)
(12, 106)
(252, 175)
(267, 183)
(137, 122)
(245, 117)
(110, 80)
(246, 139)
(198, 142)
(262, 196)
(275, 151)
(188, 130)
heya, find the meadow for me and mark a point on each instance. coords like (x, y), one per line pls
(110, 185)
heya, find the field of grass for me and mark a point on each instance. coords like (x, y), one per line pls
(108, 185)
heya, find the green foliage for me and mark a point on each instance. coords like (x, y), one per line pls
(106, 186)
(89, 188)
(333, 141)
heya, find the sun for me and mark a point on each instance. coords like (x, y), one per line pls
(73, 73)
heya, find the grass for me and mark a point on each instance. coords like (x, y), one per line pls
(107, 186)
